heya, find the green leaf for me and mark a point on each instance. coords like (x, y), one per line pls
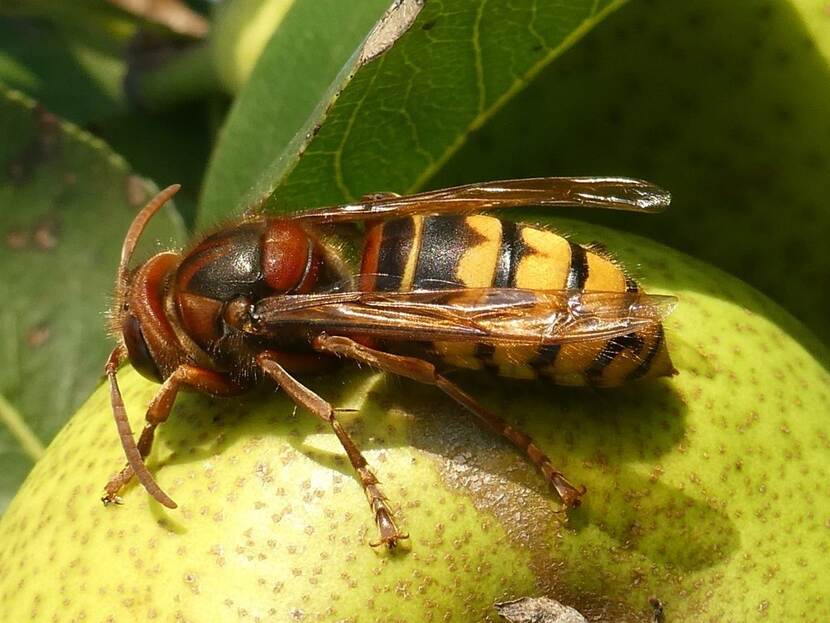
(389, 123)
(75, 72)
(240, 32)
(724, 104)
(100, 20)
(313, 41)
(169, 147)
(79, 74)
(67, 202)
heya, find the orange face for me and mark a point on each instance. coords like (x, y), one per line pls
(151, 341)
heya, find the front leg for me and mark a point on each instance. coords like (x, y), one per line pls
(205, 381)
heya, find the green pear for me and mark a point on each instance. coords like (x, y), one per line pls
(707, 492)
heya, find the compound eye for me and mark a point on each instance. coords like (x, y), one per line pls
(140, 356)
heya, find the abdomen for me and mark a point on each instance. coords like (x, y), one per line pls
(443, 252)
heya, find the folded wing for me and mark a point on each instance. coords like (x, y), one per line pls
(615, 193)
(498, 316)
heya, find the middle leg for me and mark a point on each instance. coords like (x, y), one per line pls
(303, 396)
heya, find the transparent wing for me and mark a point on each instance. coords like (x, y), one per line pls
(486, 315)
(616, 193)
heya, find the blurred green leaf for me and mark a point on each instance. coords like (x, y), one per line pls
(171, 147)
(67, 201)
(723, 103)
(389, 123)
(241, 30)
(76, 72)
(173, 14)
(302, 58)
(80, 76)
(101, 20)
(816, 17)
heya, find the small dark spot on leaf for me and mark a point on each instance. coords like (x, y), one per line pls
(615, 117)
(48, 124)
(783, 57)
(46, 234)
(783, 114)
(17, 239)
(765, 11)
(695, 20)
(429, 25)
(43, 146)
(135, 190)
(38, 336)
(815, 160)
(17, 171)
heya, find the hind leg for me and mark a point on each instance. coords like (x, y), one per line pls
(425, 372)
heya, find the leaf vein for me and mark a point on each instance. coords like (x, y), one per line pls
(486, 114)
(338, 157)
(479, 61)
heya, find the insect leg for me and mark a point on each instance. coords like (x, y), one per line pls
(299, 393)
(425, 372)
(205, 381)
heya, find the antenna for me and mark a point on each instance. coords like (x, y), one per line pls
(134, 233)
